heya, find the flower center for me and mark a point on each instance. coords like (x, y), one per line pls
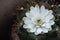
(39, 21)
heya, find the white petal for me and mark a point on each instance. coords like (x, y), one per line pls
(46, 25)
(28, 15)
(37, 8)
(42, 9)
(33, 11)
(25, 26)
(29, 26)
(50, 11)
(32, 29)
(31, 8)
(37, 26)
(38, 31)
(43, 25)
(49, 29)
(49, 16)
(27, 20)
(51, 22)
(24, 18)
(47, 20)
(45, 30)
(46, 12)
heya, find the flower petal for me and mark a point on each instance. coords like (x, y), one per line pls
(37, 8)
(46, 12)
(38, 31)
(44, 30)
(31, 8)
(42, 9)
(26, 20)
(49, 16)
(46, 25)
(25, 26)
(51, 22)
(28, 15)
(32, 30)
(29, 26)
(50, 11)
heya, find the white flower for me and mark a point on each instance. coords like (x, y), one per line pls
(38, 20)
